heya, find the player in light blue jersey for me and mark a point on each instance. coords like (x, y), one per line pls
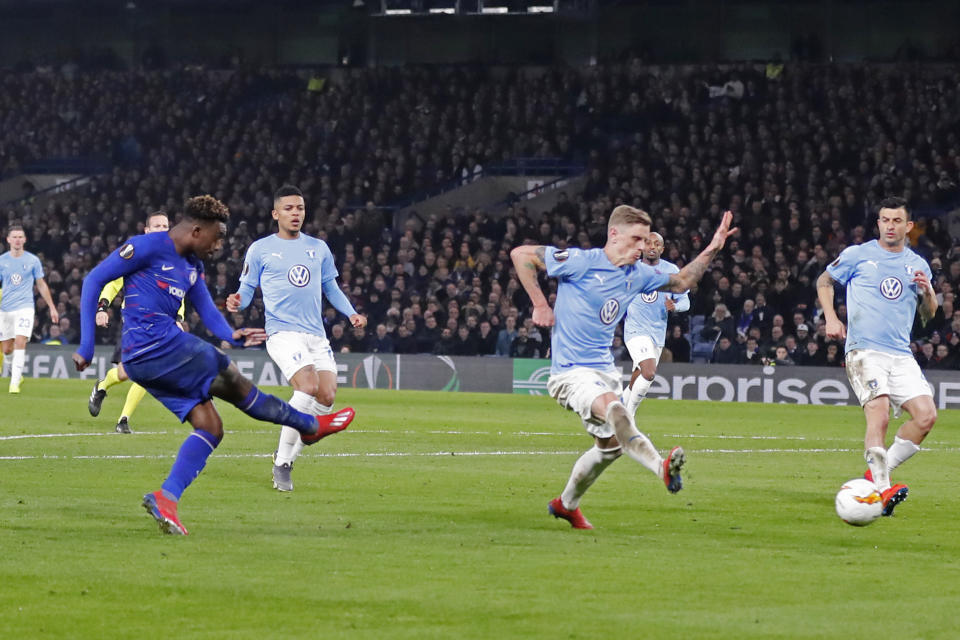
(595, 288)
(19, 271)
(645, 327)
(885, 283)
(295, 272)
(177, 368)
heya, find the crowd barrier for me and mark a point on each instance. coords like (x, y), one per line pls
(723, 383)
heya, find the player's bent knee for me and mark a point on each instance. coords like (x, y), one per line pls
(326, 397)
(926, 419)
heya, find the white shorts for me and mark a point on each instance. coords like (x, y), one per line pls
(292, 351)
(874, 373)
(18, 322)
(643, 348)
(578, 388)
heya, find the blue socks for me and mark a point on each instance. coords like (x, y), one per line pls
(191, 459)
(268, 408)
(193, 454)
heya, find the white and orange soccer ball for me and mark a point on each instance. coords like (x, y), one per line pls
(859, 502)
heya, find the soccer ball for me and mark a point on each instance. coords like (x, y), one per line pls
(859, 502)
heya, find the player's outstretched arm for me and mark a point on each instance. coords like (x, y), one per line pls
(693, 272)
(113, 266)
(529, 260)
(834, 327)
(252, 336)
(208, 312)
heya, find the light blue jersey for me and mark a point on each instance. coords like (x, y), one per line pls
(291, 274)
(881, 295)
(647, 314)
(592, 298)
(17, 277)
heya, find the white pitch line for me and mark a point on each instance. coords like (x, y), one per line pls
(524, 434)
(435, 454)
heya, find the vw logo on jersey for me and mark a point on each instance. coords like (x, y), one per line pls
(16, 279)
(298, 275)
(610, 311)
(891, 288)
(650, 298)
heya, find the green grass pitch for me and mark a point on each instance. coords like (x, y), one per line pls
(428, 519)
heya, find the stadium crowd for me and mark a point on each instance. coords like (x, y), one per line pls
(800, 154)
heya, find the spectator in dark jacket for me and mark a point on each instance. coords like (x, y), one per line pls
(726, 352)
(381, 342)
(465, 343)
(486, 339)
(523, 346)
(720, 322)
(678, 345)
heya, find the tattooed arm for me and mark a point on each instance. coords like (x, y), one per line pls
(528, 260)
(835, 328)
(691, 273)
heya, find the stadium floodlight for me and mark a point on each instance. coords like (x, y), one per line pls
(542, 7)
(449, 7)
(396, 7)
(494, 6)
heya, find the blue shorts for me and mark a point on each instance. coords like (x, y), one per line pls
(181, 376)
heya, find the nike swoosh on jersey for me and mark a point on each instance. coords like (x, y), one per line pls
(166, 267)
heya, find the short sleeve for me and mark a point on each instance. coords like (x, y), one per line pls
(843, 268)
(252, 267)
(37, 268)
(565, 263)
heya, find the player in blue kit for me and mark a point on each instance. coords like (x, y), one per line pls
(885, 283)
(645, 326)
(177, 368)
(295, 272)
(19, 271)
(595, 288)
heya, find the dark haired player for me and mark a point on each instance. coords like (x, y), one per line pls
(295, 272)
(179, 369)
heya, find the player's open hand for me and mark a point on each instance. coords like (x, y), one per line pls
(251, 336)
(233, 302)
(543, 316)
(80, 362)
(54, 316)
(723, 231)
(358, 321)
(102, 319)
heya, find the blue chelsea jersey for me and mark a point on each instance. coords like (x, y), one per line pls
(881, 295)
(592, 298)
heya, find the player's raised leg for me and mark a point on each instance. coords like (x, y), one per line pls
(233, 387)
